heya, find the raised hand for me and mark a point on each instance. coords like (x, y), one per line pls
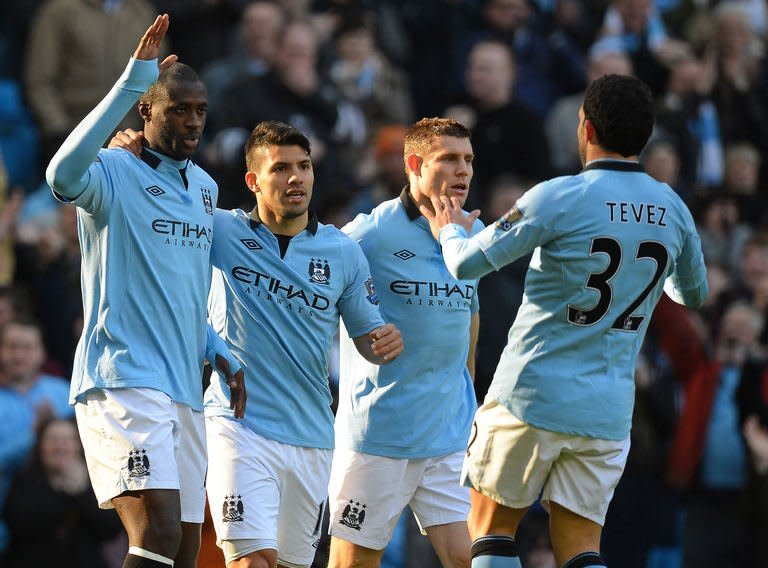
(447, 211)
(149, 44)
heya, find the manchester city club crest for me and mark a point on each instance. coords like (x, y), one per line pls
(207, 201)
(138, 463)
(353, 515)
(319, 271)
(371, 291)
(506, 220)
(232, 510)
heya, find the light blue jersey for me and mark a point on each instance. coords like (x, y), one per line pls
(145, 237)
(421, 404)
(279, 317)
(605, 244)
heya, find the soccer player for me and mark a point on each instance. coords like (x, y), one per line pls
(145, 228)
(605, 244)
(401, 429)
(281, 281)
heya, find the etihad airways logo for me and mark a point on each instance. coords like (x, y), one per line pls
(273, 289)
(183, 234)
(438, 294)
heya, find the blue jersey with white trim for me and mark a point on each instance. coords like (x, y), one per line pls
(422, 403)
(279, 317)
(605, 243)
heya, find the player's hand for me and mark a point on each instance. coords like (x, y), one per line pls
(236, 383)
(386, 342)
(446, 211)
(149, 44)
(128, 139)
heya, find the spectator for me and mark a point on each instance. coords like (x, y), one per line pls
(69, 66)
(51, 511)
(389, 175)
(293, 92)
(741, 181)
(722, 233)
(563, 119)
(497, 120)
(22, 355)
(365, 77)
(259, 27)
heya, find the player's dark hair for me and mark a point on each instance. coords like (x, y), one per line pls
(176, 74)
(272, 133)
(420, 135)
(621, 110)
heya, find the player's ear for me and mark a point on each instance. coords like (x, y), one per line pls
(413, 164)
(145, 111)
(590, 133)
(252, 181)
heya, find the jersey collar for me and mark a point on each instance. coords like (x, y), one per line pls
(411, 209)
(255, 221)
(153, 159)
(615, 165)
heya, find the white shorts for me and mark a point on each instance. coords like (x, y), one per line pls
(368, 493)
(139, 438)
(511, 461)
(260, 489)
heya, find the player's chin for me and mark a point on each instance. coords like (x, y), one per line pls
(460, 194)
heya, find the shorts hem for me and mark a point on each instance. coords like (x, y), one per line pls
(590, 516)
(367, 543)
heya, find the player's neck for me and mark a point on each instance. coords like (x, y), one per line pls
(597, 153)
(419, 197)
(279, 225)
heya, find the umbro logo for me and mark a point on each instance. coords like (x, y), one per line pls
(404, 254)
(154, 191)
(251, 244)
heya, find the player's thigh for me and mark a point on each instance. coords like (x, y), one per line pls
(243, 486)
(367, 494)
(303, 492)
(507, 459)
(585, 476)
(439, 498)
(129, 440)
(191, 457)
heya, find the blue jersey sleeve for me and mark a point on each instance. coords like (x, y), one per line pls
(358, 304)
(75, 173)
(214, 346)
(688, 282)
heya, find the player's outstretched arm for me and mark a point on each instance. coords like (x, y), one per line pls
(380, 346)
(68, 171)
(218, 354)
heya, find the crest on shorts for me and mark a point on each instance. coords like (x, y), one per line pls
(138, 463)
(353, 515)
(505, 221)
(232, 510)
(207, 201)
(319, 271)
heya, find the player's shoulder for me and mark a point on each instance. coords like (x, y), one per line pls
(203, 177)
(332, 236)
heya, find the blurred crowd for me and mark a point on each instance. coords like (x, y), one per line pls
(352, 74)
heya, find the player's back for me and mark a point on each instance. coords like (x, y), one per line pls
(607, 240)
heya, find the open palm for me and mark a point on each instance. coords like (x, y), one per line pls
(149, 44)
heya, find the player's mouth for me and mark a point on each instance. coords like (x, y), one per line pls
(190, 142)
(459, 188)
(295, 196)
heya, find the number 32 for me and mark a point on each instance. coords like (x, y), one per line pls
(600, 281)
